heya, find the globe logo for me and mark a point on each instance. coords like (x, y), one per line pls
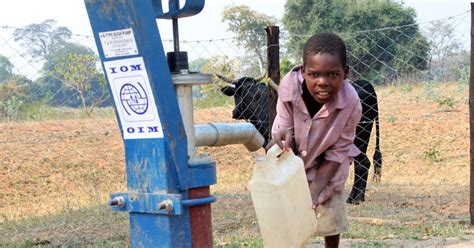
(134, 99)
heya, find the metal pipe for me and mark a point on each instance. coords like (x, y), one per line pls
(185, 101)
(221, 134)
(175, 34)
(184, 92)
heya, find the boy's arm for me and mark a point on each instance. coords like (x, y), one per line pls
(283, 127)
(326, 170)
(335, 155)
(284, 138)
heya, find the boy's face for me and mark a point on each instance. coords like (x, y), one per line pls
(324, 75)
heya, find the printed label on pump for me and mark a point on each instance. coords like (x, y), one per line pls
(118, 43)
(133, 98)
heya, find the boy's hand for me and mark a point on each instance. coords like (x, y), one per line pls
(326, 170)
(315, 191)
(283, 138)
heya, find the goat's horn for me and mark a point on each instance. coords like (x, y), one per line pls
(260, 78)
(226, 79)
(273, 85)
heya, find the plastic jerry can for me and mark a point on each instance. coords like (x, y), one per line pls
(282, 200)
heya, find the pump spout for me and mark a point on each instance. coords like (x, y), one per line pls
(221, 134)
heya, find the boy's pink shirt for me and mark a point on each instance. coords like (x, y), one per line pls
(330, 131)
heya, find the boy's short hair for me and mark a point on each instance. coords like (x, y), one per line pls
(325, 42)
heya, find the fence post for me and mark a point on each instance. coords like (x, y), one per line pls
(471, 118)
(273, 58)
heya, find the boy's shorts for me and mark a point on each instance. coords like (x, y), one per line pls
(331, 217)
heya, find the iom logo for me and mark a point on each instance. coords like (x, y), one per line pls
(134, 99)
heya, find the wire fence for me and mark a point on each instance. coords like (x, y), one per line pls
(421, 103)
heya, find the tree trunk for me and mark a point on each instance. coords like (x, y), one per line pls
(83, 99)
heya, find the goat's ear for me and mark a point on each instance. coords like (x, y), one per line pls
(228, 90)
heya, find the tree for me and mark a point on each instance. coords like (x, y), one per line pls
(218, 64)
(285, 66)
(209, 94)
(382, 35)
(13, 90)
(197, 64)
(443, 47)
(249, 26)
(319, 15)
(78, 71)
(13, 94)
(42, 39)
(6, 68)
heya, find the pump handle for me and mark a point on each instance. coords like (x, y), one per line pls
(190, 8)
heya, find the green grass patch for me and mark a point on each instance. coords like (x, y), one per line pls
(213, 100)
(40, 112)
(405, 231)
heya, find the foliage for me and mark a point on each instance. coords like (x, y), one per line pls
(391, 118)
(197, 65)
(378, 51)
(42, 39)
(406, 88)
(67, 48)
(249, 26)
(70, 76)
(19, 79)
(47, 90)
(449, 102)
(6, 68)
(285, 66)
(464, 76)
(222, 65)
(432, 154)
(319, 15)
(210, 95)
(78, 71)
(443, 47)
(431, 90)
(51, 91)
(12, 95)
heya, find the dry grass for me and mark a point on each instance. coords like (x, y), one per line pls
(55, 177)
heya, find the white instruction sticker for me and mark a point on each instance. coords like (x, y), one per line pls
(134, 99)
(118, 43)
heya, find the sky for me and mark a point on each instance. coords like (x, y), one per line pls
(72, 14)
(203, 26)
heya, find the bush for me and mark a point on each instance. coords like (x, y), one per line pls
(9, 108)
(12, 96)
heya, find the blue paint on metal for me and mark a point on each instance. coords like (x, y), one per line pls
(157, 168)
(202, 173)
(148, 203)
(159, 230)
(190, 8)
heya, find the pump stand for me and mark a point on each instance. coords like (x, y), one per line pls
(168, 197)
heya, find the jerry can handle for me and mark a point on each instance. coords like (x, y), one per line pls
(274, 152)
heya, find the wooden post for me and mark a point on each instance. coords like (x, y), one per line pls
(471, 118)
(273, 58)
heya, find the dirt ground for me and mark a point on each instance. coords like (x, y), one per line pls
(58, 165)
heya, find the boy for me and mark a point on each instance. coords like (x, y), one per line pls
(317, 115)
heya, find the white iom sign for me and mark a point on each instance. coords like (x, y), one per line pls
(134, 99)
